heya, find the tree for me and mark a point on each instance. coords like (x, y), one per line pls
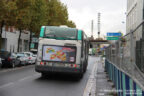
(32, 14)
(23, 17)
(8, 13)
(2, 9)
(39, 16)
(57, 12)
(71, 24)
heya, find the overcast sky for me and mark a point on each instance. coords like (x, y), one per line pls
(112, 14)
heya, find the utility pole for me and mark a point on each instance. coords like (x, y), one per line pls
(99, 24)
(92, 23)
(98, 45)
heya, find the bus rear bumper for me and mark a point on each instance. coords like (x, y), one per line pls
(48, 69)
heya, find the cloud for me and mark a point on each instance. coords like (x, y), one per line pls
(112, 14)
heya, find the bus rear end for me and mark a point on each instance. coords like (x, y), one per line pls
(60, 55)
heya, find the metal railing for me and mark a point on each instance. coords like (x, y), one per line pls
(127, 54)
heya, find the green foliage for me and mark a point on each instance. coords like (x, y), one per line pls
(2, 10)
(32, 14)
(71, 24)
(23, 17)
(57, 13)
(39, 17)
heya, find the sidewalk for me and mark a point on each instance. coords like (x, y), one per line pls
(103, 85)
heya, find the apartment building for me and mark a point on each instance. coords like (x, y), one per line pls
(10, 37)
(135, 16)
(135, 42)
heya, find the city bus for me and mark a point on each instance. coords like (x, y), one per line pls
(62, 50)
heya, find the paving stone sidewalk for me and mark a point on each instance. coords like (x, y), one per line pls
(103, 84)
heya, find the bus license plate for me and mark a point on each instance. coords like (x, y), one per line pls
(59, 65)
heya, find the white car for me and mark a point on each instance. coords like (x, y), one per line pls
(31, 57)
(23, 58)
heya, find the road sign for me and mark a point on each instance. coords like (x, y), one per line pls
(114, 34)
(112, 38)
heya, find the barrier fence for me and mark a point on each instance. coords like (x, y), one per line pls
(125, 85)
(125, 63)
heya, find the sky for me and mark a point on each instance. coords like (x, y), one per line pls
(113, 15)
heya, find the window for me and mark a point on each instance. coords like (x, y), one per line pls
(60, 33)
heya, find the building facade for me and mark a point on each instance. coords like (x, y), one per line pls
(134, 45)
(34, 44)
(10, 40)
(135, 16)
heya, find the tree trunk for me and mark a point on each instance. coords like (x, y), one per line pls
(19, 40)
(1, 31)
(0, 37)
(30, 40)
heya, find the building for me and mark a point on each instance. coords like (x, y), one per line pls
(135, 16)
(134, 46)
(10, 37)
(34, 44)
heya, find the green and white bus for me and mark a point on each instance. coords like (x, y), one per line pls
(62, 50)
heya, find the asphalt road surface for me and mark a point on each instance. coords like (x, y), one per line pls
(26, 82)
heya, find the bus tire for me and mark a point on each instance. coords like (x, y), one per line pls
(84, 70)
(85, 66)
(81, 76)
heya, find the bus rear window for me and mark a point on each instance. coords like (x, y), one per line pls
(60, 33)
(59, 53)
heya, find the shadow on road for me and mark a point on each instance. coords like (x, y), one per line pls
(59, 77)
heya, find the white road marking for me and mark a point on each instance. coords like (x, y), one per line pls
(28, 77)
(6, 85)
(13, 69)
(25, 78)
(20, 80)
(91, 84)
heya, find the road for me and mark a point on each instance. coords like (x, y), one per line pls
(26, 82)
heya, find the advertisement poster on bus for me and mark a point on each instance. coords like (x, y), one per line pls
(59, 53)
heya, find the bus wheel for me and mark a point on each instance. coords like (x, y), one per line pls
(85, 67)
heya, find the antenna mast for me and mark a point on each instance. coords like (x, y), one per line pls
(92, 23)
(99, 24)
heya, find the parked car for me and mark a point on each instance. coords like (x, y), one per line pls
(23, 58)
(34, 51)
(15, 60)
(31, 57)
(9, 59)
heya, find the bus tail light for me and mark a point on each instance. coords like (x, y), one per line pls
(41, 63)
(75, 65)
(71, 65)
